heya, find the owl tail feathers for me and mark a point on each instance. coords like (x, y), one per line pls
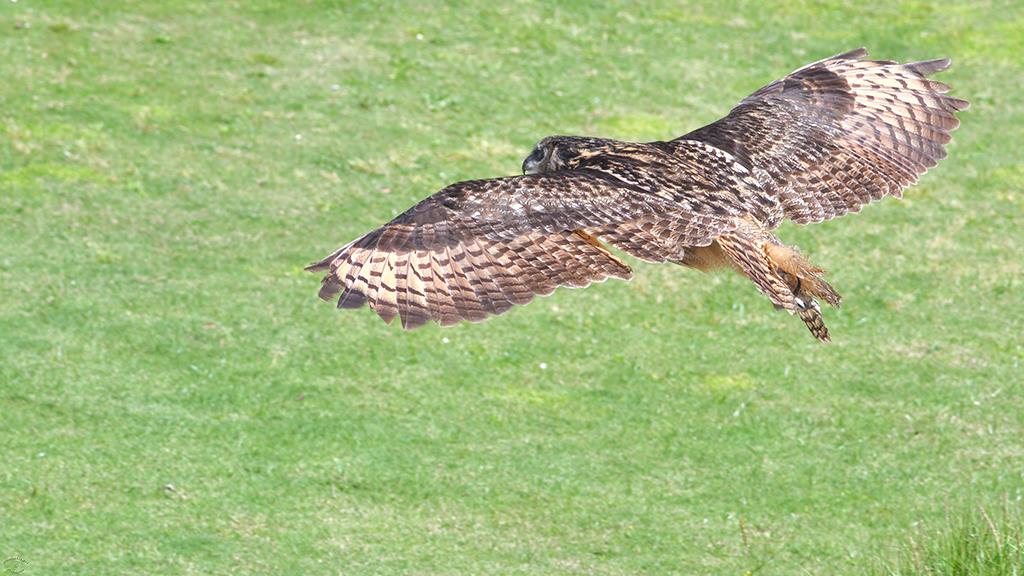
(809, 311)
(805, 282)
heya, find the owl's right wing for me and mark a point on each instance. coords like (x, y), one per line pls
(839, 133)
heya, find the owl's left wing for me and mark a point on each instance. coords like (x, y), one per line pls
(477, 248)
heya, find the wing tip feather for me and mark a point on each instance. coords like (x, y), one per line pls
(351, 299)
(926, 67)
(855, 54)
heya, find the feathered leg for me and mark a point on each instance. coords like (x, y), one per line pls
(806, 277)
(781, 274)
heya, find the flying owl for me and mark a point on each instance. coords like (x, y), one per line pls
(819, 143)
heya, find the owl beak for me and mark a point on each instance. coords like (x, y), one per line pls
(530, 165)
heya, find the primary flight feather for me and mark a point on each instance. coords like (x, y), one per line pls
(819, 143)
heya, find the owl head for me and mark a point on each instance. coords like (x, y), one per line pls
(563, 153)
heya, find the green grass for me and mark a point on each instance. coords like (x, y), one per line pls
(175, 400)
(974, 544)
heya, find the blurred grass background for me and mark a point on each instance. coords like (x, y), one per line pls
(174, 399)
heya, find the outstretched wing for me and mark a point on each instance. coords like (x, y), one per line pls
(479, 247)
(839, 133)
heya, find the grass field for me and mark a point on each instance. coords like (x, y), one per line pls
(972, 543)
(175, 400)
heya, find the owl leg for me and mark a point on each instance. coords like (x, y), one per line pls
(781, 274)
(806, 277)
(748, 255)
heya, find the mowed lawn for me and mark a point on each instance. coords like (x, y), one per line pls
(174, 399)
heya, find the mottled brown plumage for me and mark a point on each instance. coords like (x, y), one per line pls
(819, 143)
